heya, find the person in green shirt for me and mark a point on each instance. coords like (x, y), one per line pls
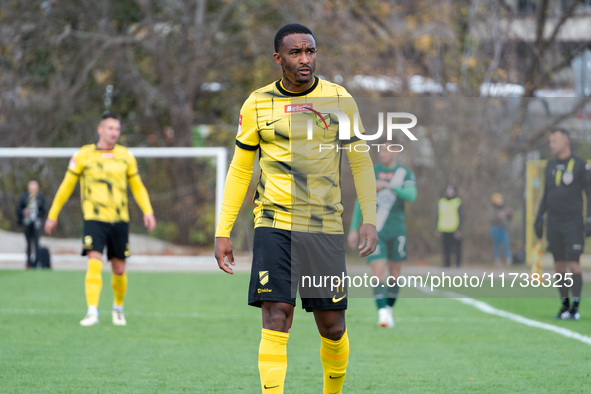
(395, 186)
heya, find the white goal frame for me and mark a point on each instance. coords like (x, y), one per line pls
(219, 154)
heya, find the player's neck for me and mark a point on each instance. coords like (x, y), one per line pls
(565, 154)
(101, 145)
(295, 88)
(391, 165)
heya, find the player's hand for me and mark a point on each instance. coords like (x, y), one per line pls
(26, 212)
(223, 248)
(539, 227)
(382, 184)
(150, 222)
(458, 234)
(368, 239)
(353, 238)
(588, 227)
(50, 225)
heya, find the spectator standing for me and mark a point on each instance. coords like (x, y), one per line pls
(500, 216)
(449, 222)
(31, 211)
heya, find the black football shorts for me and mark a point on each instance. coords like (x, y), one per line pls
(113, 236)
(285, 262)
(566, 237)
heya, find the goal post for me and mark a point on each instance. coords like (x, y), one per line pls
(219, 154)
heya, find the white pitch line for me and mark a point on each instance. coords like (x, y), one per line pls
(486, 308)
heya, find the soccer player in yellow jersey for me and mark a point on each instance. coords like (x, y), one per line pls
(298, 217)
(104, 169)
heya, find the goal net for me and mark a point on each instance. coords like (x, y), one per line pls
(185, 186)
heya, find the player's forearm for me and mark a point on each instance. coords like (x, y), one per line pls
(63, 193)
(407, 193)
(237, 182)
(140, 194)
(365, 182)
(356, 218)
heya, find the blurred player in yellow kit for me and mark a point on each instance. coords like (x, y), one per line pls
(104, 169)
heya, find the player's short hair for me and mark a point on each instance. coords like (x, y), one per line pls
(109, 115)
(562, 131)
(292, 28)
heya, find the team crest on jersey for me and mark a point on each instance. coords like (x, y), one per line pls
(567, 178)
(264, 277)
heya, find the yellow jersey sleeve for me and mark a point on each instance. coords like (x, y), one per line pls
(75, 169)
(77, 162)
(131, 165)
(235, 189)
(140, 194)
(350, 108)
(63, 194)
(365, 181)
(248, 137)
(361, 164)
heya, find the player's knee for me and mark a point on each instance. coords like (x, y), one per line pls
(575, 267)
(277, 319)
(334, 332)
(118, 266)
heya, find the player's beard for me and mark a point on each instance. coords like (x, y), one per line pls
(301, 79)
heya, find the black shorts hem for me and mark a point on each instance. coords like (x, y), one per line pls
(258, 303)
(322, 308)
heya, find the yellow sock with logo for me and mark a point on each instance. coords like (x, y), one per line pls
(93, 282)
(119, 284)
(334, 356)
(273, 361)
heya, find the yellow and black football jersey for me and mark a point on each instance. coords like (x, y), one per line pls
(104, 176)
(300, 154)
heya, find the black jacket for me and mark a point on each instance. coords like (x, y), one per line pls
(566, 199)
(23, 203)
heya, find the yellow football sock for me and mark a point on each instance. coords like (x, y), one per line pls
(119, 283)
(93, 282)
(273, 361)
(334, 356)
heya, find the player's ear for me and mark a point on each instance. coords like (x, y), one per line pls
(277, 58)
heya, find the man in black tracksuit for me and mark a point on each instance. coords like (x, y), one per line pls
(567, 177)
(31, 211)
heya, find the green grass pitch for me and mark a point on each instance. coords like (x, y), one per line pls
(194, 333)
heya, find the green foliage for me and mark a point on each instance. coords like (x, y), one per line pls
(202, 234)
(167, 231)
(4, 224)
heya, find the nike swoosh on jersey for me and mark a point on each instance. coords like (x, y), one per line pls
(272, 387)
(270, 123)
(336, 377)
(335, 300)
